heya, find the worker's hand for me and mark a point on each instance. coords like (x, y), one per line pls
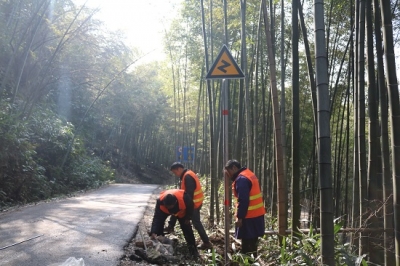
(153, 236)
(238, 222)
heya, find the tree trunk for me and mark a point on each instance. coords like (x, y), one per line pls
(211, 118)
(249, 138)
(362, 160)
(386, 178)
(394, 108)
(356, 186)
(281, 179)
(375, 249)
(295, 121)
(324, 138)
(283, 93)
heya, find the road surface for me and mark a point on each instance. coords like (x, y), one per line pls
(94, 226)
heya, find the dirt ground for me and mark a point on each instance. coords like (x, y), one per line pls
(128, 259)
(207, 257)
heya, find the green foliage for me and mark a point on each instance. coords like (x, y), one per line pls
(75, 109)
(89, 172)
(212, 257)
(242, 259)
(306, 250)
(30, 158)
(21, 177)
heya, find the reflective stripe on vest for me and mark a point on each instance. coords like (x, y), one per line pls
(198, 195)
(256, 205)
(178, 193)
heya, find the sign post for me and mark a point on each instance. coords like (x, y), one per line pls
(225, 67)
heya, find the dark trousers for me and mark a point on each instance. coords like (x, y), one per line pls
(158, 226)
(196, 223)
(189, 236)
(187, 232)
(199, 226)
(249, 246)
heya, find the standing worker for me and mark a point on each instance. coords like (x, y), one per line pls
(178, 203)
(190, 182)
(250, 209)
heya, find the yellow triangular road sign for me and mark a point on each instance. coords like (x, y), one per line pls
(225, 67)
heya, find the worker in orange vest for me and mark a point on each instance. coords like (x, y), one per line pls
(190, 182)
(178, 203)
(249, 211)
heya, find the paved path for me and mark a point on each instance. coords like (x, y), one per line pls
(94, 226)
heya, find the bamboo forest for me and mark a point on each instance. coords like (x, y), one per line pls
(316, 116)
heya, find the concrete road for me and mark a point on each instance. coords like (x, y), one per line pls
(95, 226)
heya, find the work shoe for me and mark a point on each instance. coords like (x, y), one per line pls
(206, 245)
(194, 253)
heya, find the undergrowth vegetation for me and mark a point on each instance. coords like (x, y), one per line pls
(305, 249)
(31, 160)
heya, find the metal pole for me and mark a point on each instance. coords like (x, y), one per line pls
(225, 113)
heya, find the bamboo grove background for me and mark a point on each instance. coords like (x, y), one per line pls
(316, 118)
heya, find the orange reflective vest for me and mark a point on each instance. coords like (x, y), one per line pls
(198, 195)
(256, 205)
(178, 193)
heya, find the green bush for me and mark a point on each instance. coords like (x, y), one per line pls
(31, 156)
(89, 172)
(19, 172)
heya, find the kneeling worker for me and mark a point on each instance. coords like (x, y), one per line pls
(178, 203)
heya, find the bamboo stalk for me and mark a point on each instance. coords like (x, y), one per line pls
(20, 242)
(342, 230)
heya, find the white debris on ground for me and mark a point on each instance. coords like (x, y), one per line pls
(159, 251)
(141, 250)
